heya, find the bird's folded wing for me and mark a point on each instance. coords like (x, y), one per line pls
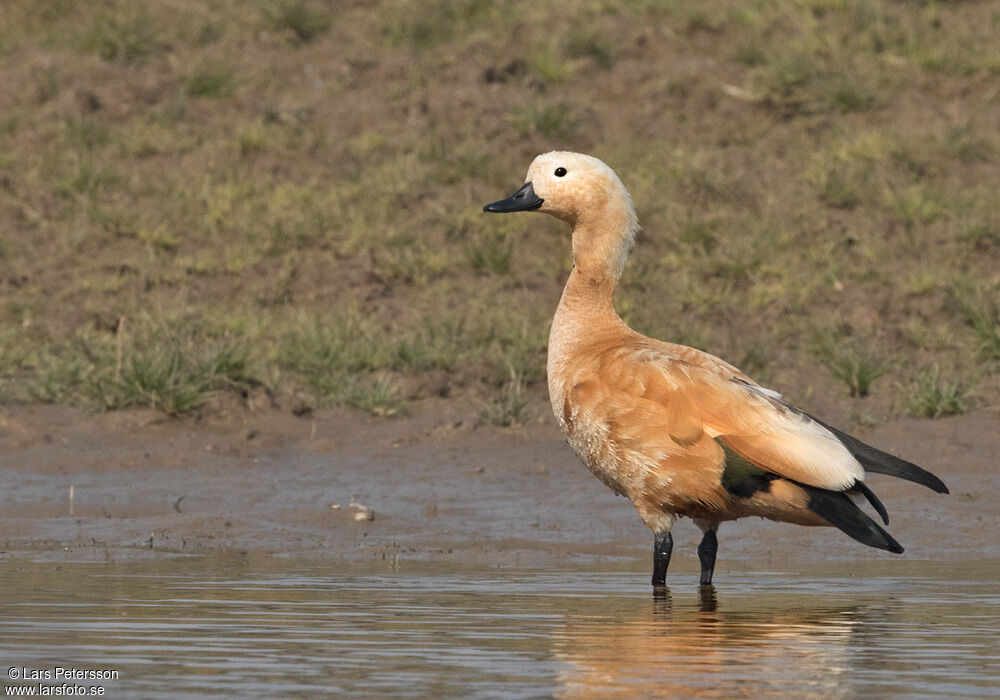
(697, 388)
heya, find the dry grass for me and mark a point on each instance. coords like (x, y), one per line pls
(932, 396)
(248, 176)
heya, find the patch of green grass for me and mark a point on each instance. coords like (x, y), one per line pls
(59, 377)
(551, 121)
(158, 238)
(425, 24)
(367, 143)
(781, 79)
(930, 395)
(847, 96)
(923, 281)
(336, 362)
(467, 163)
(420, 33)
(982, 313)
(700, 234)
(490, 253)
(46, 84)
(14, 355)
(379, 396)
(508, 405)
(754, 361)
(163, 371)
(591, 45)
(86, 178)
(853, 363)
(300, 20)
(842, 184)
(211, 80)
(172, 379)
(680, 87)
(915, 204)
(983, 235)
(326, 350)
(145, 137)
(549, 66)
(127, 38)
(922, 38)
(700, 20)
(920, 334)
(428, 347)
(968, 145)
(817, 66)
(512, 343)
(86, 133)
(252, 137)
(56, 380)
(102, 282)
(254, 220)
(414, 264)
(749, 54)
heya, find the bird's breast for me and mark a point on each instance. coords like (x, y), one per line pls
(594, 444)
(591, 412)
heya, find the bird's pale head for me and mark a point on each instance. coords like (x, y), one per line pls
(584, 192)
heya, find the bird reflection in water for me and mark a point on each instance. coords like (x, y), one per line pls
(707, 599)
(741, 646)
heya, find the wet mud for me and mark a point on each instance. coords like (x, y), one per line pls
(432, 487)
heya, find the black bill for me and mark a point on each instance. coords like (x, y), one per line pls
(524, 199)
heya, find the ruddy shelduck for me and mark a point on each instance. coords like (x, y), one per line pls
(680, 432)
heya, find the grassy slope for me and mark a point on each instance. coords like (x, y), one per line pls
(288, 195)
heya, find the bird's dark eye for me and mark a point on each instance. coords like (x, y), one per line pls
(560, 172)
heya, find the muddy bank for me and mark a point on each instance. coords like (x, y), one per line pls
(438, 487)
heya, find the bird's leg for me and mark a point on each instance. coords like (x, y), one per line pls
(707, 598)
(706, 554)
(662, 604)
(663, 545)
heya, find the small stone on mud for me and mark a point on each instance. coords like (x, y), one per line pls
(334, 506)
(363, 512)
(252, 433)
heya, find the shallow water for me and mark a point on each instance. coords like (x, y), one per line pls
(267, 626)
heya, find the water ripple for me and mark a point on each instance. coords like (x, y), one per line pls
(284, 628)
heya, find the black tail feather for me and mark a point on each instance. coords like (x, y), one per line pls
(863, 489)
(875, 460)
(840, 511)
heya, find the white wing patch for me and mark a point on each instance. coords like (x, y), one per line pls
(817, 452)
(770, 393)
(758, 423)
(799, 440)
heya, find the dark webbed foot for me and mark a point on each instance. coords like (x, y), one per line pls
(663, 545)
(706, 553)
